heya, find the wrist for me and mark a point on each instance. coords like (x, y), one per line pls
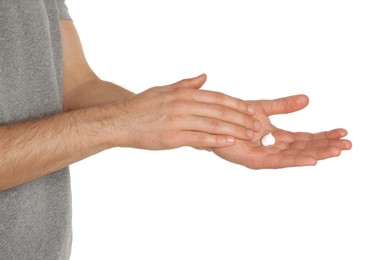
(113, 124)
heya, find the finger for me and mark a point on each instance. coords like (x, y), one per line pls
(284, 105)
(341, 144)
(224, 113)
(323, 153)
(289, 137)
(333, 134)
(214, 126)
(195, 83)
(320, 153)
(204, 140)
(206, 96)
(279, 160)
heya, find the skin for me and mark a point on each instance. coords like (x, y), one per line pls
(99, 115)
(291, 149)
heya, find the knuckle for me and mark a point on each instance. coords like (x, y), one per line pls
(201, 139)
(182, 91)
(168, 140)
(242, 105)
(179, 103)
(214, 124)
(220, 97)
(172, 139)
(218, 140)
(158, 89)
(285, 106)
(183, 83)
(175, 118)
(246, 120)
(222, 111)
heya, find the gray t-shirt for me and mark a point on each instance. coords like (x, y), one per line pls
(35, 218)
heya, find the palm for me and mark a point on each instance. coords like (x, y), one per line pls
(291, 149)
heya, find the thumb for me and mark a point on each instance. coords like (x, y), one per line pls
(285, 105)
(196, 82)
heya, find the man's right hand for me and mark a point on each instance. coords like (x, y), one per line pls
(183, 115)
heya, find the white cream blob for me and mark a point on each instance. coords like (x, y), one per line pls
(268, 139)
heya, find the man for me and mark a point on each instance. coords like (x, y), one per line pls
(55, 111)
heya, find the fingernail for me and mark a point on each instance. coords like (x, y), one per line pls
(229, 139)
(257, 125)
(250, 133)
(251, 109)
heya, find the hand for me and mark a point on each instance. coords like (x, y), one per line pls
(183, 115)
(291, 149)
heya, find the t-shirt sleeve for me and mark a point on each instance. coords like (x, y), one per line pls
(63, 11)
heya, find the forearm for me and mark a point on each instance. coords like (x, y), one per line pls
(35, 148)
(94, 92)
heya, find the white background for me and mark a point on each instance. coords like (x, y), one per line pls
(189, 204)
